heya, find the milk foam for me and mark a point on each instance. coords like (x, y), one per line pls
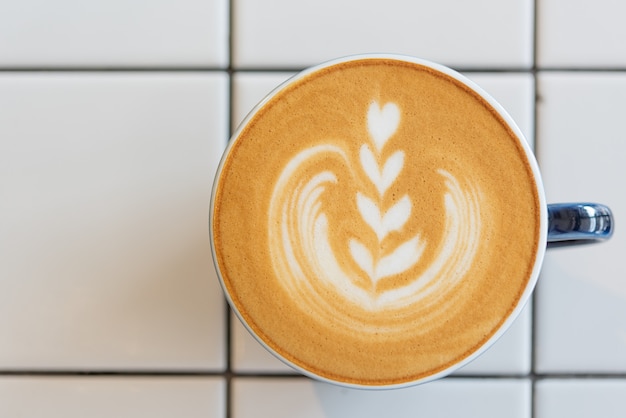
(304, 260)
(361, 222)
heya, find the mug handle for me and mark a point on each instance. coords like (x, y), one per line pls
(578, 223)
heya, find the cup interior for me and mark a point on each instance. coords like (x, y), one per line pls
(530, 159)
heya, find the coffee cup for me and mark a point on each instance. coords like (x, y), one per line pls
(378, 221)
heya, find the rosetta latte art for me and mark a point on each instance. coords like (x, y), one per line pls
(304, 260)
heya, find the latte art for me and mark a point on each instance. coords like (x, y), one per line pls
(306, 262)
(361, 222)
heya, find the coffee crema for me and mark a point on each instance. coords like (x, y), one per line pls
(375, 222)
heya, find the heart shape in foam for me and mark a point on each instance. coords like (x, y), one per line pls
(382, 123)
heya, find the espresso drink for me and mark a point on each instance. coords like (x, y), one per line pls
(375, 222)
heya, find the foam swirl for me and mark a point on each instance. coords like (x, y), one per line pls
(322, 278)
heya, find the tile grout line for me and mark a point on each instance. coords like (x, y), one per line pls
(228, 373)
(230, 69)
(228, 376)
(114, 69)
(282, 375)
(533, 320)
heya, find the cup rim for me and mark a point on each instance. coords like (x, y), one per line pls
(530, 159)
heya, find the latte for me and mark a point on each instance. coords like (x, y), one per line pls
(375, 222)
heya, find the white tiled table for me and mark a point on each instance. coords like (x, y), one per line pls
(113, 116)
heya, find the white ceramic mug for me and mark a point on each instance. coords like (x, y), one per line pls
(242, 219)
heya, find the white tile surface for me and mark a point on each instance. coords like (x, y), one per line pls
(116, 33)
(287, 34)
(582, 291)
(121, 397)
(577, 33)
(104, 257)
(580, 398)
(288, 397)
